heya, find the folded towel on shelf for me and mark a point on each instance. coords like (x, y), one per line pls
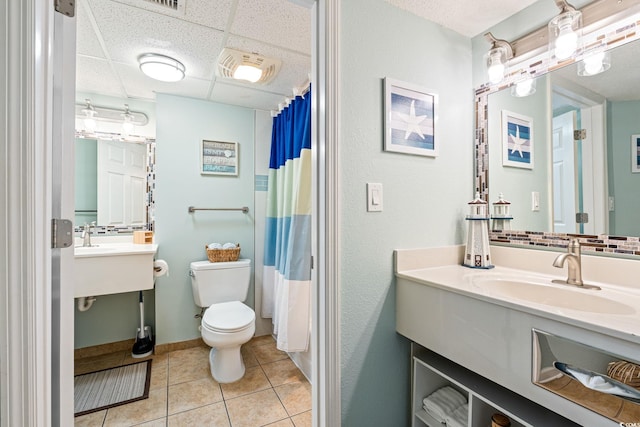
(215, 246)
(229, 245)
(443, 402)
(459, 417)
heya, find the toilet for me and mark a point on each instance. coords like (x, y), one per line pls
(227, 323)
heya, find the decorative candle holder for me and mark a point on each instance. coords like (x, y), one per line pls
(476, 254)
(501, 214)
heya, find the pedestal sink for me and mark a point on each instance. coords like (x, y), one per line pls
(111, 268)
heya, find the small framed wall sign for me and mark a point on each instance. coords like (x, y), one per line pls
(517, 140)
(410, 118)
(635, 153)
(218, 158)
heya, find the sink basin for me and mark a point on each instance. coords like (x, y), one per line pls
(539, 292)
(112, 268)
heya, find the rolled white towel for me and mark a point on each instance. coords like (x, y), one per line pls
(459, 417)
(443, 402)
(215, 246)
(229, 245)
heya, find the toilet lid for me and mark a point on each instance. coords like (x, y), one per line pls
(228, 317)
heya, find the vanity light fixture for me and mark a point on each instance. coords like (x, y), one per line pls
(524, 86)
(127, 121)
(565, 31)
(89, 114)
(161, 67)
(595, 61)
(497, 57)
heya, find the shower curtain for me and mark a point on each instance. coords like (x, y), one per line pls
(286, 296)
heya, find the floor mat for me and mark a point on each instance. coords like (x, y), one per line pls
(107, 388)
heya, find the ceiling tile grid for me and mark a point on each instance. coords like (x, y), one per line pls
(137, 85)
(86, 41)
(94, 75)
(233, 94)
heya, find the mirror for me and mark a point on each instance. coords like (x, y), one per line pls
(550, 194)
(112, 183)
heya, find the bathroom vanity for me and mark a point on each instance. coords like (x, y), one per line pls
(493, 334)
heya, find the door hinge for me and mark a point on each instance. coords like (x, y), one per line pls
(61, 233)
(65, 7)
(582, 217)
(579, 134)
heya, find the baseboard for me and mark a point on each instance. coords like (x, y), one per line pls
(180, 345)
(98, 350)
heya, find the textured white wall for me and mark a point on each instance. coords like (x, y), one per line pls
(425, 199)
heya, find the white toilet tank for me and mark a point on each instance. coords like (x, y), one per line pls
(215, 282)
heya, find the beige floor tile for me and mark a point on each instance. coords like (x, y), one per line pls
(248, 357)
(265, 408)
(97, 363)
(188, 365)
(296, 397)
(302, 420)
(157, 359)
(193, 394)
(207, 416)
(90, 420)
(261, 340)
(139, 412)
(268, 353)
(159, 376)
(282, 423)
(161, 422)
(282, 372)
(254, 380)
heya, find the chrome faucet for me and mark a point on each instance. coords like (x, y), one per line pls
(86, 234)
(574, 261)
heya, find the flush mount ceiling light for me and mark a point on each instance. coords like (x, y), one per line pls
(251, 67)
(565, 31)
(161, 67)
(496, 59)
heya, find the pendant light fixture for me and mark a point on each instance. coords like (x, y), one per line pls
(89, 114)
(565, 32)
(497, 57)
(525, 85)
(161, 67)
(595, 60)
(127, 122)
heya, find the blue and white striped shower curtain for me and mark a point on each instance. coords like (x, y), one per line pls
(286, 295)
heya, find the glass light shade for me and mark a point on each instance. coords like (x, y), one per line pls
(524, 87)
(127, 127)
(594, 63)
(89, 121)
(247, 72)
(496, 60)
(161, 67)
(564, 34)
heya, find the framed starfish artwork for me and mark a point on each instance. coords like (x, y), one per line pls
(410, 116)
(517, 140)
(635, 153)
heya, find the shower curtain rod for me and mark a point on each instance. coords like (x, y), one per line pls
(297, 91)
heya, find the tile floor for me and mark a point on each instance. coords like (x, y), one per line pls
(272, 393)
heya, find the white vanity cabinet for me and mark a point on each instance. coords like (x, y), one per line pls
(431, 372)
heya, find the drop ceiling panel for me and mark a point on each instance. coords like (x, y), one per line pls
(86, 41)
(129, 32)
(277, 22)
(137, 85)
(245, 97)
(95, 76)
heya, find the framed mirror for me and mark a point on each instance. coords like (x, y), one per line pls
(114, 184)
(589, 190)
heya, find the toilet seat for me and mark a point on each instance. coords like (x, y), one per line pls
(228, 317)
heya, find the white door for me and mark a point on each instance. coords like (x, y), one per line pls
(564, 174)
(122, 181)
(594, 166)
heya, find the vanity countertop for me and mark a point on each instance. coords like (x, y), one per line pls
(114, 249)
(614, 310)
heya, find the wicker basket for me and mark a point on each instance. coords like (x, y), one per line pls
(223, 255)
(625, 372)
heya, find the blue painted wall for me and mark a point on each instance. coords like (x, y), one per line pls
(182, 123)
(425, 199)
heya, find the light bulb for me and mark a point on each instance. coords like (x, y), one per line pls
(564, 34)
(127, 127)
(593, 63)
(566, 44)
(523, 88)
(247, 72)
(495, 66)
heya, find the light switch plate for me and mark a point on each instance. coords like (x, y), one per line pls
(535, 201)
(374, 197)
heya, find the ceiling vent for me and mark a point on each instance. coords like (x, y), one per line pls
(230, 59)
(176, 5)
